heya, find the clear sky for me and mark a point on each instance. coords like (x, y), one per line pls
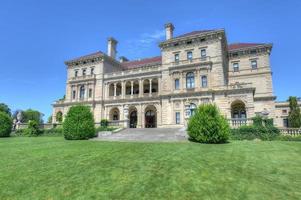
(36, 37)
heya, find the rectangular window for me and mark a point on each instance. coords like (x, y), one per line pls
(90, 93)
(92, 70)
(75, 73)
(73, 94)
(254, 64)
(178, 118)
(177, 84)
(285, 123)
(177, 57)
(284, 112)
(235, 67)
(189, 55)
(203, 53)
(84, 72)
(204, 81)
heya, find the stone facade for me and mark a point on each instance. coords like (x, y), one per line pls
(163, 91)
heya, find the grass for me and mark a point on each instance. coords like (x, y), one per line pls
(52, 168)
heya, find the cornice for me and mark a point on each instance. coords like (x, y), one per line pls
(268, 98)
(247, 51)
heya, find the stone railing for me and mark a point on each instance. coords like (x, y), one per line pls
(237, 122)
(191, 61)
(290, 131)
(132, 71)
(119, 123)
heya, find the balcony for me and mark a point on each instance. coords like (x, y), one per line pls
(82, 78)
(192, 61)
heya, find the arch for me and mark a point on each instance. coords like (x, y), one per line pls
(59, 116)
(190, 80)
(128, 88)
(136, 87)
(145, 86)
(114, 114)
(150, 116)
(133, 117)
(111, 89)
(155, 85)
(238, 110)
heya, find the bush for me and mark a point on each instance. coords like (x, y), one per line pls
(208, 126)
(102, 128)
(257, 120)
(255, 132)
(79, 123)
(33, 129)
(53, 132)
(104, 123)
(289, 138)
(6, 125)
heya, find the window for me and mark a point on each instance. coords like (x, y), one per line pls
(190, 80)
(73, 94)
(190, 109)
(235, 67)
(84, 72)
(177, 84)
(285, 122)
(189, 55)
(203, 53)
(76, 73)
(177, 117)
(92, 70)
(177, 57)
(254, 64)
(82, 92)
(204, 81)
(90, 93)
(284, 112)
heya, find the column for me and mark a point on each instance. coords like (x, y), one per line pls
(140, 87)
(115, 89)
(197, 79)
(159, 86)
(182, 81)
(132, 88)
(123, 89)
(150, 87)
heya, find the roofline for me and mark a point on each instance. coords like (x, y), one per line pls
(269, 45)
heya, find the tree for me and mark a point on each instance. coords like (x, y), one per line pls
(4, 108)
(5, 124)
(79, 123)
(33, 115)
(49, 120)
(294, 117)
(207, 125)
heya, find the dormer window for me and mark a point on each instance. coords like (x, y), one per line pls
(84, 72)
(254, 64)
(189, 55)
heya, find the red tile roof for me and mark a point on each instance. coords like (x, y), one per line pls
(236, 46)
(193, 33)
(98, 53)
(142, 62)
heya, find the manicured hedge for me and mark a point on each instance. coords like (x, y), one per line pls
(207, 125)
(79, 123)
(255, 132)
(33, 129)
(6, 125)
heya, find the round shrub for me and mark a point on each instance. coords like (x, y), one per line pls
(33, 129)
(79, 123)
(207, 125)
(6, 125)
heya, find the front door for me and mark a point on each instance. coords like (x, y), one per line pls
(150, 119)
(133, 119)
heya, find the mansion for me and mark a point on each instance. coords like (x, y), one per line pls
(163, 91)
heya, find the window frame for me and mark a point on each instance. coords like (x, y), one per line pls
(256, 64)
(177, 84)
(189, 55)
(84, 72)
(203, 55)
(178, 117)
(202, 81)
(176, 57)
(235, 69)
(190, 82)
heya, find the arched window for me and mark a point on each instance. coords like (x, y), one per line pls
(115, 115)
(238, 110)
(177, 84)
(190, 80)
(82, 92)
(204, 81)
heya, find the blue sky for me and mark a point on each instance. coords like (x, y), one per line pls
(36, 37)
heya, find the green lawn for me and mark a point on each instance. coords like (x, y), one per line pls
(52, 168)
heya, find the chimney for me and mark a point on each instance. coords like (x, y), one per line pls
(169, 30)
(112, 44)
(123, 59)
